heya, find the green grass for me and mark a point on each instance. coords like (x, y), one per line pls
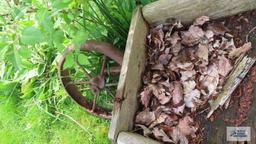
(19, 125)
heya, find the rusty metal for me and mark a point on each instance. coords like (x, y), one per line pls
(64, 76)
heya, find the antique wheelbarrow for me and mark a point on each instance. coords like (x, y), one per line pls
(133, 64)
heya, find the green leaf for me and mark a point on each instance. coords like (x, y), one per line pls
(27, 89)
(17, 12)
(3, 51)
(69, 62)
(82, 59)
(2, 20)
(60, 4)
(41, 69)
(44, 18)
(31, 36)
(12, 56)
(80, 38)
(25, 52)
(7, 87)
(26, 64)
(58, 37)
(30, 74)
(2, 70)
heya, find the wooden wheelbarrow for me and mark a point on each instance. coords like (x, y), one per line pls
(135, 57)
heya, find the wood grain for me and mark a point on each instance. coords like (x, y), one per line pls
(130, 77)
(239, 71)
(187, 10)
(133, 138)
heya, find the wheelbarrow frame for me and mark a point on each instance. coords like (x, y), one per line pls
(135, 56)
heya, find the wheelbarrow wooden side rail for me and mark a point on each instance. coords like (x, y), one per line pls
(130, 77)
(188, 10)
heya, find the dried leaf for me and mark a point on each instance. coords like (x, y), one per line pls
(159, 67)
(188, 86)
(227, 45)
(178, 137)
(211, 80)
(157, 36)
(176, 48)
(146, 131)
(201, 20)
(217, 28)
(192, 36)
(179, 110)
(185, 75)
(164, 59)
(202, 52)
(185, 126)
(161, 135)
(224, 66)
(216, 44)
(160, 94)
(156, 77)
(209, 35)
(241, 50)
(185, 66)
(177, 94)
(145, 117)
(174, 38)
(159, 120)
(145, 96)
(192, 98)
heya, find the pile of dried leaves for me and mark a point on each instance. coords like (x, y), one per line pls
(186, 69)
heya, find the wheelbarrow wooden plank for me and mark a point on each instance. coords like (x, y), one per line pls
(188, 10)
(134, 138)
(126, 103)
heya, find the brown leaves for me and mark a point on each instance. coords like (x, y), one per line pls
(202, 52)
(211, 79)
(177, 93)
(185, 126)
(161, 135)
(217, 28)
(201, 20)
(161, 94)
(145, 117)
(224, 66)
(185, 69)
(192, 36)
(145, 96)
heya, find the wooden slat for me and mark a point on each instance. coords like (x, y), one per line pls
(130, 77)
(133, 138)
(216, 130)
(235, 77)
(187, 10)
